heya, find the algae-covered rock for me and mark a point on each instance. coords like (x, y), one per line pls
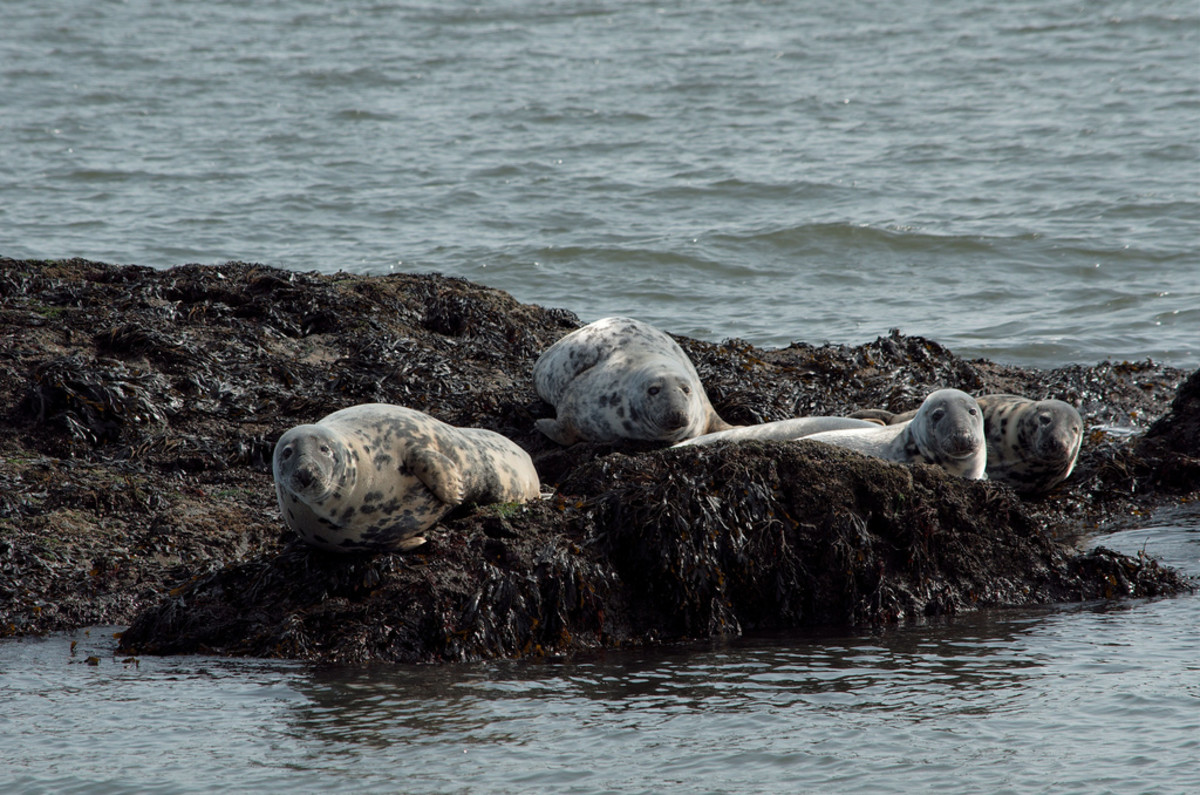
(1170, 451)
(140, 408)
(661, 546)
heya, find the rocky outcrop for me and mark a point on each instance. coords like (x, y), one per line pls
(141, 407)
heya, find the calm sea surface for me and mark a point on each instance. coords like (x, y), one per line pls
(1017, 180)
(1077, 699)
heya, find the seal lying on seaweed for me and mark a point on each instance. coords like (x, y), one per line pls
(375, 476)
(947, 430)
(1031, 444)
(620, 378)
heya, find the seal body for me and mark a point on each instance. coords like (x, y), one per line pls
(1031, 444)
(620, 378)
(947, 430)
(375, 476)
(780, 430)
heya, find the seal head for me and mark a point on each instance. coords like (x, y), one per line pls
(1032, 445)
(948, 431)
(310, 461)
(665, 400)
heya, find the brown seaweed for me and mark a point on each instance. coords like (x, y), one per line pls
(141, 407)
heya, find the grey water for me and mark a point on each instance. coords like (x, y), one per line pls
(1016, 180)
(1089, 698)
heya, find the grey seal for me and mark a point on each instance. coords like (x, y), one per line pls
(620, 378)
(376, 476)
(1031, 444)
(780, 430)
(947, 430)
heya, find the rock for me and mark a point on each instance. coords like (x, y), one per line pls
(1169, 452)
(141, 407)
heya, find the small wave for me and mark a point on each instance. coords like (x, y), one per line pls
(359, 115)
(859, 238)
(338, 77)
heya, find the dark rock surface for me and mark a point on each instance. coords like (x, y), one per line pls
(140, 408)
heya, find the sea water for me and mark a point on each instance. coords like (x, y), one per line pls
(1087, 698)
(1016, 180)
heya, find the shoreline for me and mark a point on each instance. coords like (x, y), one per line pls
(141, 408)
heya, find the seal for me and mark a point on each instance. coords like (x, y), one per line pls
(375, 476)
(1031, 444)
(780, 430)
(947, 430)
(620, 378)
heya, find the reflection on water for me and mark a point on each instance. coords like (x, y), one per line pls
(1085, 698)
(377, 706)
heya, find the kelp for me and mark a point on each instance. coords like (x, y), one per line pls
(672, 545)
(141, 406)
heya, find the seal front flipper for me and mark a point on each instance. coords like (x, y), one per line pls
(439, 474)
(558, 432)
(411, 543)
(715, 423)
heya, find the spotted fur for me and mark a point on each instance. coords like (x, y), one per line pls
(376, 476)
(947, 431)
(1031, 444)
(620, 378)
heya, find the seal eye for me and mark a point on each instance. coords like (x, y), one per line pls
(653, 390)
(285, 454)
(973, 412)
(937, 414)
(1044, 419)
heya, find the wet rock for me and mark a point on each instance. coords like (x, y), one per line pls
(140, 407)
(1169, 454)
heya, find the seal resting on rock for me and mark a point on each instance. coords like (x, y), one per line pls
(1031, 444)
(781, 430)
(375, 476)
(947, 430)
(620, 378)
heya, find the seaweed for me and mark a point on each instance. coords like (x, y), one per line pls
(141, 407)
(93, 401)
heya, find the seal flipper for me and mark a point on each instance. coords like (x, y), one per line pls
(558, 432)
(877, 416)
(715, 423)
(411, 543)
(439, 474)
